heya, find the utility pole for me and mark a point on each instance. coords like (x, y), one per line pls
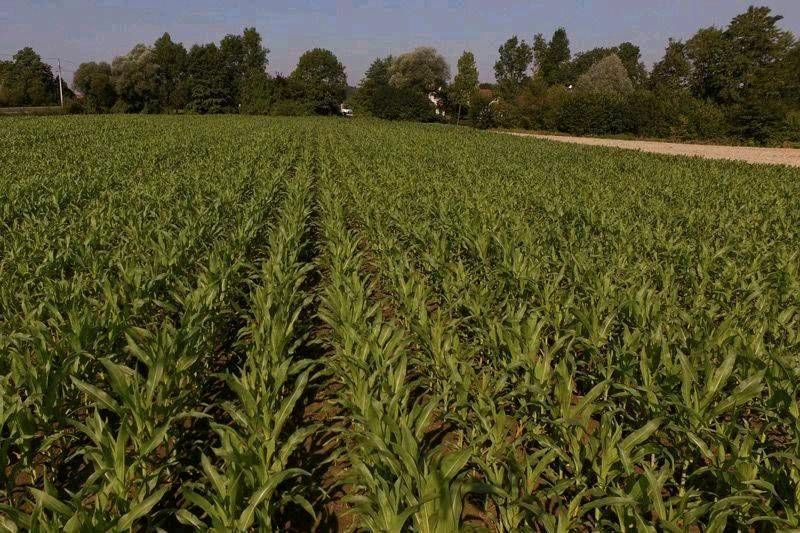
(60, 86)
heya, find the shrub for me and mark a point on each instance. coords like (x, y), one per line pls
(706, 120)
(73, 107)
(600, 113)
(292, 108)
(762, 120)
(393, 103)
(481, 111)
(119, 107)
(793, 126)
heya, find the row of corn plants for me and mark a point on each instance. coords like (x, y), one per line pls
(253, 480)
(401, 473)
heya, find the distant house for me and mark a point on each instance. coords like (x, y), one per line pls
(488, 94)
(438, 102)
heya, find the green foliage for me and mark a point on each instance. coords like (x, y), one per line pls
(321, 79)
(465, 82)
(594, 112)
(134, 76)
(423, 70)
(164, 77)
(292, 108)
(378, 96)
(376, 77)
(256, 93)
(171, 59)
(793, 126)
(481, 111)
(607, 76)
(511, 67)
(27, 81)
(738, 82)
(551, 58)
(95, 82)
(672, 72)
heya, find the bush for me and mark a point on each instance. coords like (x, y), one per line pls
(793, 126)
(763, 120)
(481, 112)
(504, 114)
(292, 108)
(651, 115)
(599, 113)
(119, 107)
(73, 107)
(393, 103)
(706, 120)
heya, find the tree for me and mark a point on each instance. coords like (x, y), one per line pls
(28, 81)
(631, 58)
(209, 91)
(376, 77)
(253, 51)
(510, 68)
(135, 81)
(756, 46)
(423, 70)
(789, 75)
(255, 85)
(707, 53)
(95, 82)
(241, 56)
(607, 76)
(583, 61)
(551, 57)
(322, 79)
(5, 69)
(170, 59)
(672, 72)
(628, 53)
(466, 81)
(256, 93)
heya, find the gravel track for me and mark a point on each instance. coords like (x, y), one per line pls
(769, 156)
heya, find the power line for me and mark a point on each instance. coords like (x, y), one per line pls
(56, 59)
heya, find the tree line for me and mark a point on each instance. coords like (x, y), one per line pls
(226, 77)
(26, 80)
(229, 77)
(741, 81)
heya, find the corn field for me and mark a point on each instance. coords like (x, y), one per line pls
(241, 324)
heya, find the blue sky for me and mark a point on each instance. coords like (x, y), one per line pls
(358, 31)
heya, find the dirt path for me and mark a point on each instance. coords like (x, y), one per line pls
(770, 156)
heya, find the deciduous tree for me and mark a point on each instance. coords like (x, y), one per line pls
(511, 67)
(672, 72)
(607, 76)
(423, 70)
(322, 79)
(95, 82)
(552, 57)
(465, 82)
(29, 81)
(135, 79)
